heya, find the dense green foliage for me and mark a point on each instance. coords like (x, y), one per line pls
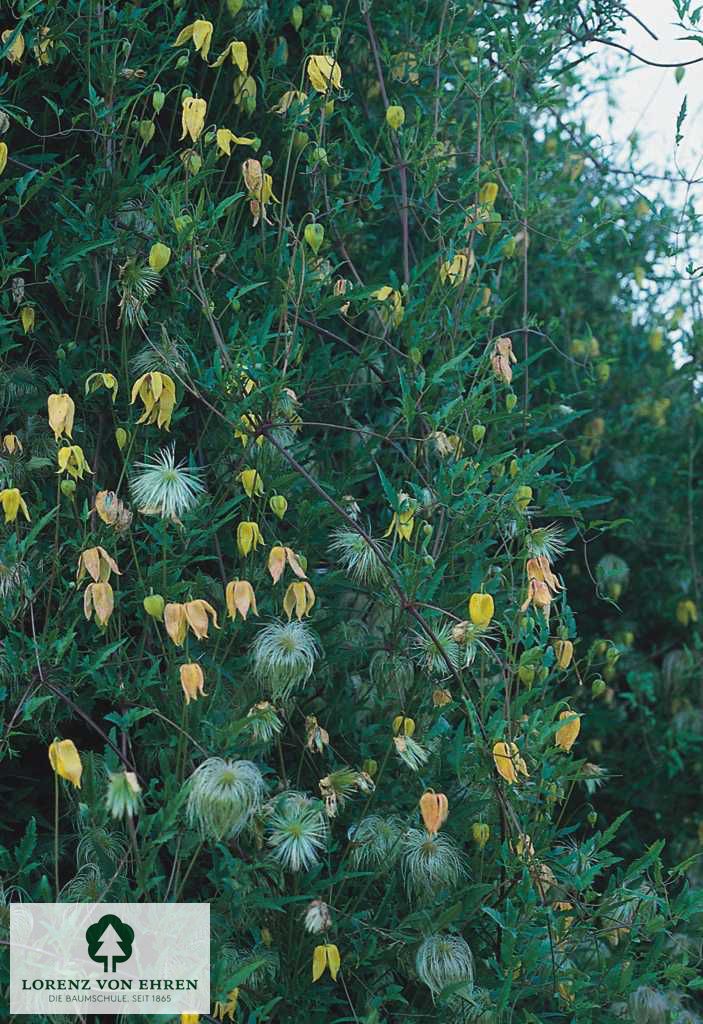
(456, 343)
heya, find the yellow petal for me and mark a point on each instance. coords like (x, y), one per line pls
(3, 156)
(567, 734)
(66, 762)
(319, 962)
(175, 623)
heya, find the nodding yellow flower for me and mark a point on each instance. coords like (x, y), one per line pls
(200, 32)
(193, 111)
(567, 734)
(325, 956)
(240, 597)
(457, 269)
(391, 300)
(395, 117)
(244, 89)
(66, 761)
(300, 597)
(61, 410)
(158, 395)
(259, 185)
(194, 614)
(237, 53)
(43, 46)
(226, 1010)
(16, 50)
(27, 318)
(190, 1018)
(434, 808)
(252, 483)
(480, 833)
(159, 257)
(686, 612)
(509, 762)
(403, 726)
(71, 460)
(278, 557)
(564, 651)
(481, 609)
(248, 537)
(501, 359)
(402, 523)
(324, 72)
(102, 380)
(225, 139)
(192, 681)
(98, 598)
(12, 502)
(98, 564)
(288, 99)
(11, 444)
(3, 156)
(249, 425)
(278, 505)
(488, 193)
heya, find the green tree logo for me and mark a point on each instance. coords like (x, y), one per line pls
(109, 942)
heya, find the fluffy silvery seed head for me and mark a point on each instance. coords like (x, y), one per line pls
(430, 863)
(263, 722)
(391, 670)
(375, 841)
(546, 541)
(124, 794)
(283, 656)
(163, 487)
(432, 657)
(648, 1006)
(444, 960)
(97, 843)
(85, 887)
(296, 831)
(223, 795)
(357, 558)
(410, 751)
(317, 917)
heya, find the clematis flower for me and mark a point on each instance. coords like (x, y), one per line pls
(159, 256)
(249, 426)
(278, 505)
(509, 762)
(542, 584)
(66, 761)
(98, 598)
(564, 652)
(434, 808)
(112, 510)
(16, 50)
(481, 609)
(300, 597)
(61, 410)
(12, 502)
(325, 956)
(200, 32)
(104, 380)
(237, 53)
(3, 157)
(403, 522)
(192, 681)
(227, 1009)
(288, 99)
(457, 269)
(686, 612)
(240, 597)
(566, 735)
(278, 557)
(501, 359)
(71, 460)
(98, 564)
(480, 833)
(391, 300)
(244, 89)
(324, 72)
(193, 111)
(158, 395)
(11, 444)
(248, 537)
(251, 482)
(27, 316)
(192, 614)
(259, 186)
(226, 139)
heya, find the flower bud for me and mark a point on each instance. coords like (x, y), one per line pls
(314, 236)
(154, 606)
(564, 651)
(510, 402)
(279, 505)
(68, 488)
(158, 99)
(478, 432)
(296, 17)
(121, 438)
(146, 131)
(395, 117)
(159, 256)
(326, 11)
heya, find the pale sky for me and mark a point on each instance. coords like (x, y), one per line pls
(649, 98)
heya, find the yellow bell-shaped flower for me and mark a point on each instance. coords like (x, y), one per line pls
(567, 734)
(12, 502)
(200, 31)
(192, 681)
(240, 597)
(324, 72)
(193, 111)
(61, 409)
(300, 597)
(325, 956)
(158, 396)
(248, 537)
(71, 460)
(481, 609)
(66, 761)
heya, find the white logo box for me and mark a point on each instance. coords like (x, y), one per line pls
(109, 958)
